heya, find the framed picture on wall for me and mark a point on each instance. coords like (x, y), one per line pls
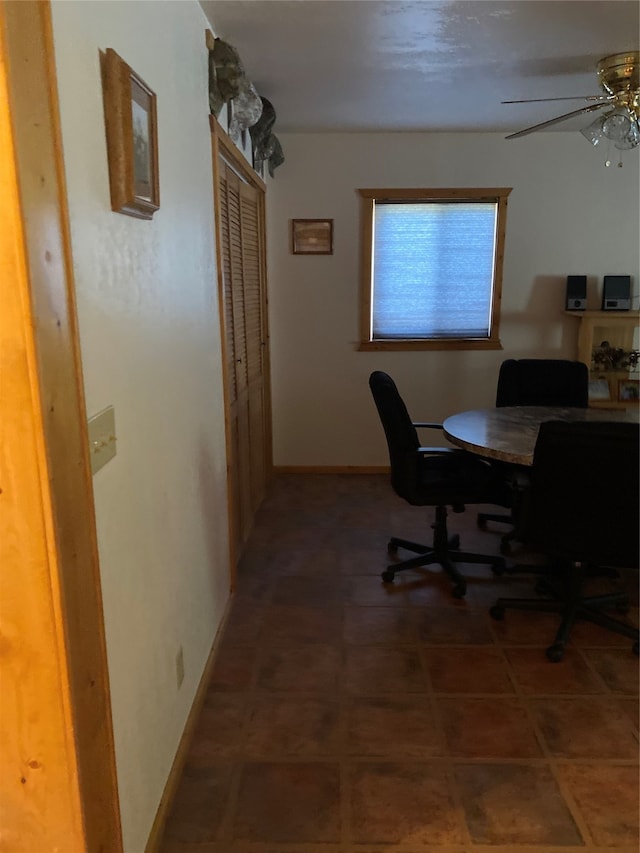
(312, 236)
(628, 390)
(599, 389)
(132, 138)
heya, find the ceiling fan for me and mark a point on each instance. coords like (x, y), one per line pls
(619, 80)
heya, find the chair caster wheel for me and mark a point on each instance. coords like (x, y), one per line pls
(392, 548)
(388, 576)
(636, 648)
(459, 590)
(555, 653)
(497, 612)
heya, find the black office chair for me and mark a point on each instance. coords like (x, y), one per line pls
(582, 511)
(535, 382)
(543, 382)
(438, 477)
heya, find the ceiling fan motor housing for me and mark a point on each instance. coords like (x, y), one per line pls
(619, 78)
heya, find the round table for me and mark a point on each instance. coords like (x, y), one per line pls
(509, 433)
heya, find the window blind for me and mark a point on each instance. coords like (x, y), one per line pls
(433, 269)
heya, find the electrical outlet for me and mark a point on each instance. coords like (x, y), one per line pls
(180, 667)
(102, 438)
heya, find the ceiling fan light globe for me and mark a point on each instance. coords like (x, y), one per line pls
(616, 125)
(631, 140)
(593, 133)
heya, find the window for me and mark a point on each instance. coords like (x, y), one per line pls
(432, 268)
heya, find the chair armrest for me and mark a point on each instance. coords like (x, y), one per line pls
(432, 450)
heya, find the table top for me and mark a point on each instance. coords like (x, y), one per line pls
(509, 433)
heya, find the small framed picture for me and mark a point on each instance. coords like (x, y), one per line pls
(312, 236)
(132, 138)
(628, 390)
(599, 389)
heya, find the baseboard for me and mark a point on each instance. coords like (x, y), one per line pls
(331, 469)
(173, 780)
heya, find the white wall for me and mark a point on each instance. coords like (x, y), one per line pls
(568, 214)
(149, 331)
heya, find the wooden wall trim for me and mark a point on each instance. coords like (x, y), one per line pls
(50, 325)
(38, 784)
(235, 157)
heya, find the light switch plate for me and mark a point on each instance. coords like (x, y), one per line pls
(102, 438)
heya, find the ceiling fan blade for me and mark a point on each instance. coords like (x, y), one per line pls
(551, 121)
(568, 98)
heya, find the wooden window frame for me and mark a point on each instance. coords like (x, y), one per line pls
(369, 197)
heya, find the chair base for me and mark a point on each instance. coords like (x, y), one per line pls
(572, 605)
(507, 538)
(444, 552)
(484, 517)
(513, 518)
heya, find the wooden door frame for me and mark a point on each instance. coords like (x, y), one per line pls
(222, 146)
(47, 388)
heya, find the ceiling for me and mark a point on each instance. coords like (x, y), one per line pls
(416, 65)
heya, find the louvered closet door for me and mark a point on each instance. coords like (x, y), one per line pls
(254, 339)
(245, 335)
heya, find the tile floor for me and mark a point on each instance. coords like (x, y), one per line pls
(347, 715)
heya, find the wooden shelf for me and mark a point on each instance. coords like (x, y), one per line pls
(630, 316)
(611, 404)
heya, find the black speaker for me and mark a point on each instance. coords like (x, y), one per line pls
(616, 293)
(576, 292)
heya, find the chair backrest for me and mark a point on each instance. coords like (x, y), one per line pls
(583, 502)
(401, 435)
(543, 382)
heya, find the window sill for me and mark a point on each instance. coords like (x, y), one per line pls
(435, 344)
